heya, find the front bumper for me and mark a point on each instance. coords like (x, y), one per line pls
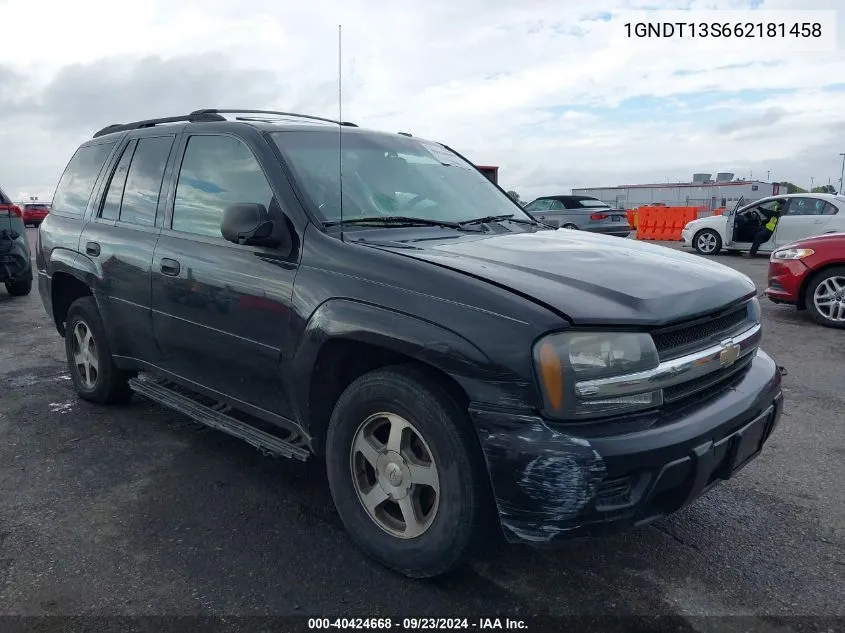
(686, 237)
(785, 278)
(554, 481)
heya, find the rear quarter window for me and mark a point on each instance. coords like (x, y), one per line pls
(78, 180)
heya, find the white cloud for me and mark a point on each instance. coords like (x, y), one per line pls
(537, 87)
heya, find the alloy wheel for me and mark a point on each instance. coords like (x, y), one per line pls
(84, 350)
(706, 242)
(395, 476)
(829, 299)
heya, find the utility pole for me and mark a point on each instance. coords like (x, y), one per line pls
(768, 171)
(842, 175)
(812, 178)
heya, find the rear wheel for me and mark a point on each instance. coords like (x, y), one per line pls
(825, 298)
(19, 288)
(570, 226)
(406, 473)
(89, 359)
(707, 242)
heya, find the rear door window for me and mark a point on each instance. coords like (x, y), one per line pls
(78, 180)
(805, 206)
(556, 205)
(143, 180)
(114, 194)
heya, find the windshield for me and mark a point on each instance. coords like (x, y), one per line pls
(390, 175)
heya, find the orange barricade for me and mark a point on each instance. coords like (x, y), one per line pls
(662, 223)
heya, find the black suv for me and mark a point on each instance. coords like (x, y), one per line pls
(463, 370)
(15, 262)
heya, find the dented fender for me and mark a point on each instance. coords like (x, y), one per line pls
(399, 332)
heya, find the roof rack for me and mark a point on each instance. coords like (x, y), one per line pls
(194, 117)
(207, 115)
(210, 111)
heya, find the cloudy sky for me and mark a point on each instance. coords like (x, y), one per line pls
(551, 90)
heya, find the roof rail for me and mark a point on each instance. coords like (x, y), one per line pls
(137, 125)
(408, 134)
(210, 111)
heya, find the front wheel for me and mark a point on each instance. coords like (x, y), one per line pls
(89, 359)
(707, 242)
(825, 298)
(406, 473)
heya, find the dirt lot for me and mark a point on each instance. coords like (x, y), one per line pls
(125, 511)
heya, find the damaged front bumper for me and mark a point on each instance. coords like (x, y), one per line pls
(553, 481)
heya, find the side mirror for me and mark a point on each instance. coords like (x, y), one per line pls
(248, 223)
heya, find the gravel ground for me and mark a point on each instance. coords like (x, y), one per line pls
(135, 511)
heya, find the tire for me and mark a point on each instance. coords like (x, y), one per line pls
(462, 513)
(570, 226)
(19, 288)
(108, 384)
(707, 242)
(826, 282)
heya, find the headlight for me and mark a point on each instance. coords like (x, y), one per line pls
(565, 358)
(754, 313)
(793, 253)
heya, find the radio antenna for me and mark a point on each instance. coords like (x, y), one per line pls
(340, 123)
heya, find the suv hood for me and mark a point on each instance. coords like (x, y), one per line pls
(592, 279)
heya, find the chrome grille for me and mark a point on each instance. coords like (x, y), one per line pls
(712, 381)
(676, 340)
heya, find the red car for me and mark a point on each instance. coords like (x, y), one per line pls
(34, 213)
(810, 274)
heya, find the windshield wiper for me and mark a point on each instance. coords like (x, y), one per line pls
(397, 220)
(497, 218)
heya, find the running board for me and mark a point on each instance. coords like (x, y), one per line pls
(167, 395)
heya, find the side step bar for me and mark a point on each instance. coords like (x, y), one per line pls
(163, 394)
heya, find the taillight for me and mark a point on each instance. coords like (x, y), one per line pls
(599, 216)
(12, 209)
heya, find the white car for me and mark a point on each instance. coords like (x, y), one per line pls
(803, 215)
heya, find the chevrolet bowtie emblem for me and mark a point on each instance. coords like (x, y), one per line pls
(729, 353)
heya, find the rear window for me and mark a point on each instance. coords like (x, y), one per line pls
(80, 176)
(583, 203)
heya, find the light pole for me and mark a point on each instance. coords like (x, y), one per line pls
(768, 171)
(812, 179)
(842, 175)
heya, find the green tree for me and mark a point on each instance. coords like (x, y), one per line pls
(791, 188)
(515, 196)
(824, 189)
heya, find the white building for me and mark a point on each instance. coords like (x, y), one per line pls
(701, 192)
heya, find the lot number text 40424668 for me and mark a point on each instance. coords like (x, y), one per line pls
(419, 624)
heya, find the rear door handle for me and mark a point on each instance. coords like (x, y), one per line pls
(92, 248)
(170, 266)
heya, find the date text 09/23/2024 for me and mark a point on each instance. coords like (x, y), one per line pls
(417, 624)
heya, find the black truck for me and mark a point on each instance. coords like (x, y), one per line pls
(465, 371)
